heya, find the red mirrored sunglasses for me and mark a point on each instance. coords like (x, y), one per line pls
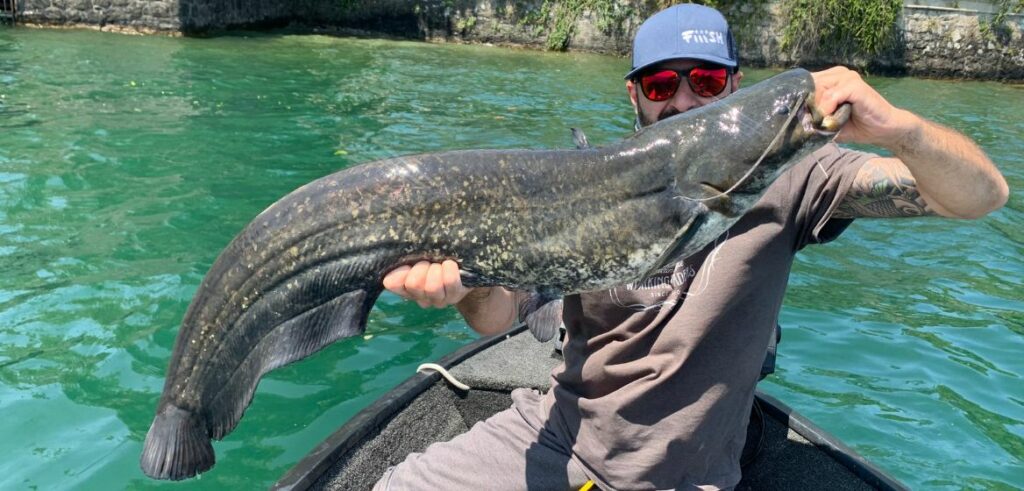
(661, 85)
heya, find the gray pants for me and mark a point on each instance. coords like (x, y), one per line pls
(504, 452)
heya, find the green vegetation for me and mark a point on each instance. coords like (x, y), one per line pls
(830, 27)
(563, 16)
(813, 28)
(995, 29)
(558, 18)
(840, 27)
(465, 23)
(1007, 7)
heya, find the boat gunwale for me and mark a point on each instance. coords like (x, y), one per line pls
(828, 443)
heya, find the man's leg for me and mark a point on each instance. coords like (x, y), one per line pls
(504, 452)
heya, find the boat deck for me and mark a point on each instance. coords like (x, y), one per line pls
(787, 460)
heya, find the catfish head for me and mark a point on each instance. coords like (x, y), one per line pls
(748, 139)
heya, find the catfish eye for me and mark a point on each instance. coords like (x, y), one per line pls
(782, 110)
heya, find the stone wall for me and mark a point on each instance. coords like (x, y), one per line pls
(935, 40)
(946, 43)
(932, 41)
(120, 15)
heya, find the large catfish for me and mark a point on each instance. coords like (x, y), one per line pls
(306, 271)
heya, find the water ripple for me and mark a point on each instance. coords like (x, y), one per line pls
(127, 164)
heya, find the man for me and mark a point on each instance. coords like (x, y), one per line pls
(658, 379)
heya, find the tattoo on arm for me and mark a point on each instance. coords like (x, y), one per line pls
(883, 188)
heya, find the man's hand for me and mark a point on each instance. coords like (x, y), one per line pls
(873, 121)
(429, 284)
(935, 169)
(488, 310)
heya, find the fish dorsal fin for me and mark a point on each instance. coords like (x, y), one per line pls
(579, 139)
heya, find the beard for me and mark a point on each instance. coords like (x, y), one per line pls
(642, 120)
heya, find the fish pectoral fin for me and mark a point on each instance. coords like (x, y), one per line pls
(543, 315)
(579, 139)
(470, 279)
(675, 251)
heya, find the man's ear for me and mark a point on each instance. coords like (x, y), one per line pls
(631, 88)
(736, 77)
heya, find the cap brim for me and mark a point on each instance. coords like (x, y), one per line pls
(713, 59)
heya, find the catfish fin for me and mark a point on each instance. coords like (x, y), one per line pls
(543, 315)
(579, 139)
(674, 252)
(288, 342)
(469, 279)
(177, 445)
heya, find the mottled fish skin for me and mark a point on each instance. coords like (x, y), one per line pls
(308, 269)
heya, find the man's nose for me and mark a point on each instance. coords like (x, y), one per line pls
(684, 99)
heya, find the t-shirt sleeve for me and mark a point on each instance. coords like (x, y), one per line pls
(828, 174)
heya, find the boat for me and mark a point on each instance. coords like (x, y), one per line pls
(784, 449)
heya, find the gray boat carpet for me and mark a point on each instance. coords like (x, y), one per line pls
(787, 461)
(522, 362)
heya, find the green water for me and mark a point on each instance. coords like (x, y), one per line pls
(128, 163)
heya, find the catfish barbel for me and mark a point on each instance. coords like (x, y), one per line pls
(307, 270)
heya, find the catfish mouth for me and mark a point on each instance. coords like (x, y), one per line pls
(814, 121)
(806, 115)
(804, 121)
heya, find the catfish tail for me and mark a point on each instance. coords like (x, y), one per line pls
(178, 443)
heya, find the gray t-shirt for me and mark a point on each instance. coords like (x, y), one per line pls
(659, 375)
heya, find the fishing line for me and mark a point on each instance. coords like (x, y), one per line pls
(833, 140)
(792, 114)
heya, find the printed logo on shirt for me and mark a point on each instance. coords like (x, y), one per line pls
(654, 292)
(651, 292)
(671, 276)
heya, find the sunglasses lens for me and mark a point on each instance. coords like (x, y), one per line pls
(708, 82)
(660, 86)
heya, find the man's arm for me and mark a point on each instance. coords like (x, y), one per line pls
(883, 188)
(936, 170)
(486, 310)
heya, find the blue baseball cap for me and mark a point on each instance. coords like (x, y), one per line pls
(684, 31)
